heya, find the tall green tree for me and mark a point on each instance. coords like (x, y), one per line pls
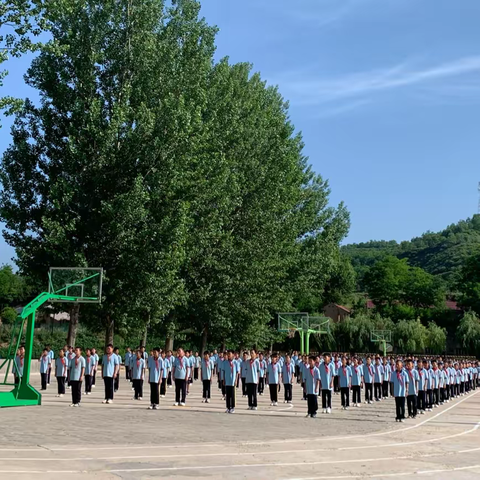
(469, 283)
(468, 333)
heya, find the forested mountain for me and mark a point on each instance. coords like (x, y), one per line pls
(439, 253)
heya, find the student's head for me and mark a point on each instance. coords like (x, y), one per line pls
(260, 356)
(344, 361)
(327, 357)
(311, 361)
(253, 354)
(78, 351)
(88, 352)
(377, 360)
(274, 358)
(70, 348)
(156, 352)
(187, 353)
(142, 348)
(245, 355)
(21, 350)
(369, 360)
(109, 349)
(287, 358)
(355, 361)
(44, 351)
(94, 350)
(116, 350)
(180, 352)
(65, 347)
(61, 353)
(48, 348)
(419, 364)
(434, 364)
(230, 355)
(129, 349)
(399, 365)
(206, 355)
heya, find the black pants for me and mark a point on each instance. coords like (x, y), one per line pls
(326, 399)
(44, 380)
(48, 375)
(391, 389)
(457, 389)
(108, 382)
(169, 378)
(345, 393)
(462, 387)
(400, 407)
(94, 375)
(368, 392)
(357, 396)
(116, 382)
(412, 405)
(421, 400)
(378, 390)
(163, 387)
(68, 377)
(195, 373)
(287, 388)
(443, 395)
(244, 386)
(61, 385)
(429, 400)
(230, 396)
(273, 387)
(76, 391)
(88, 383)
(385, 389)
(206, 388)
(222, 388)
(436, 396)
(312, 403)
(252, 394)
(180, 390)
(336, 384)
(128, 375)
(261, 385)
(154, 393)
(138, 388)
(297, 373)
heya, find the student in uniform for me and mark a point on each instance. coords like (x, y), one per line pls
(288, 374)
(45, 365)
(137, 374)
(221, 359)
(435, 384)
(262, 372)
(116, 385)
(180, 374)
(163, 381)
(17, 367)
(61, 368)
(421, 387)
(70, 355)
(155, 368)
(230, 374)
(345, 378)
(413, 380)
(97, 358)
(400, 389)
(243, 374)
(312, 387)
(206, 372)
(128, 355)
(170, 359)
(197, 362)
(326, 383)
(89, 368)
(429, 386)
(251, 380)
(357, 382)
(77, 371)
(378, 379)
(336, 365)
(368, 374)
(273, 374)
(387, 371)
(52, 358)
(110, 371)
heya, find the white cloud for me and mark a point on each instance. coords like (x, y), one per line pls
(311, 89)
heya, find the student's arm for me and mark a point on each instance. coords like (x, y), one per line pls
(116, 369)
(82, 374)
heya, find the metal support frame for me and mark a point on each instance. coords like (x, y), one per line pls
(382, 337)
(305, 325)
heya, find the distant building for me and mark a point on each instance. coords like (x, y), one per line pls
(336, 312)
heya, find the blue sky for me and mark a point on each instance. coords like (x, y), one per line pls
(385, 92)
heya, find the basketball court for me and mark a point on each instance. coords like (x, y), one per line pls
(126, 441)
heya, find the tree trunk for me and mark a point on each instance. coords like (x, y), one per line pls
(203, 345)
(110, 325)
(143, 343)
(169, 342)
(223, 345)
(73, 324)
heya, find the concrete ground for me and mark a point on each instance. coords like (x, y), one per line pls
(126, 441)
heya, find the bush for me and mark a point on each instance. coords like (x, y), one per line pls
(9, 315)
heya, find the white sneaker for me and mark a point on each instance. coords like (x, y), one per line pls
(346, 408)
(284, 401)
(72, 404)
(109, 401)
(182, 404)
(150, 407)
(232, 410)
(105, 401)
(57, 396)
(175, 404)
(324, 410)
(61, 395)
(93, 386)
(207, 401)
(227, 411)
(77, 405)
(254, 408)
(271, 404)
(162, 396)
(329, 410)
(169, 386)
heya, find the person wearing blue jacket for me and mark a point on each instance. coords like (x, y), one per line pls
(400, 389)
(413, 379)
(262, 363)
(368, 374)
(230, 374)
(288, 374)
(345, 379)
(378, 379)
(357, 382)
(251, 380)
(326, 381)
(273, 378)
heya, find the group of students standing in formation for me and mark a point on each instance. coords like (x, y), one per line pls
(422, 384)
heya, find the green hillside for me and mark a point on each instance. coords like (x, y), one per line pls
(439, 253)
